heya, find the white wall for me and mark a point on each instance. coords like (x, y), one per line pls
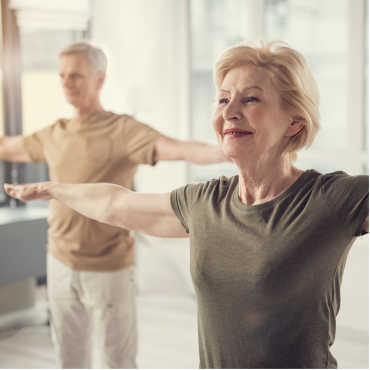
(354, 311)
(148, 75)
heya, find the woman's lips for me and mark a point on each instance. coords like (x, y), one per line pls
(236, 132)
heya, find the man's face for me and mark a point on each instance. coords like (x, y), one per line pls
(80, 84)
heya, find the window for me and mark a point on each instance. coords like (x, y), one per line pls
(322, 39)
(43, 101)
(210, 35)
(33, 35)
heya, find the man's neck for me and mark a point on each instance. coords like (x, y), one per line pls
(88, 110)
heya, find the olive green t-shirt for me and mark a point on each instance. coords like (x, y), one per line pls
(267, 277)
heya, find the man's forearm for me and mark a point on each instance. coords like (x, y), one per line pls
(201, 153)
(168, 149)
(2, 148)
(12, 149)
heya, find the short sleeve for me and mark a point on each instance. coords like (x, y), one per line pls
(183, 200)
(348, 199)
(35, 144)
(139, 141)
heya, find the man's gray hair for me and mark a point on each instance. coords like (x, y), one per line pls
(96, 56)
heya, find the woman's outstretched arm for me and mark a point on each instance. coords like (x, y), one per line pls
(115, 205)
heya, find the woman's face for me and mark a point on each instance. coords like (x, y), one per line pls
(249, 120)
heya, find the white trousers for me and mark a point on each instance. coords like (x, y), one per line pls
(82, 302)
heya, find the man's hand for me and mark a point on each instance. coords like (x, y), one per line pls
(28, 192)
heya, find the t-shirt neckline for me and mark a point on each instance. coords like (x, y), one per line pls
(90, 118)
(258, 207)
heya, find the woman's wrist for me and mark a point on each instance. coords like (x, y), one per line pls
(49, 190)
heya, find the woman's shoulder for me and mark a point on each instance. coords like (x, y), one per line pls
(333, 184)
(341, 181)
(214, 190)
(347, 197)
(218, 185)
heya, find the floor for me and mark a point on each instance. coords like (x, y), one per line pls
(167, 337)
(167, 321)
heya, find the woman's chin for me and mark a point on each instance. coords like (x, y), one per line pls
(234, 153)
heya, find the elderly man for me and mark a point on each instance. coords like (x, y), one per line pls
(90, 265)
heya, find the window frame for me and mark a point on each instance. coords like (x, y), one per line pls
(10, 61)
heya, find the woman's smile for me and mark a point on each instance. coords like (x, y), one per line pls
(235, 133)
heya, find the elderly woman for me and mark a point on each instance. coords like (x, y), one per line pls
(268, 247)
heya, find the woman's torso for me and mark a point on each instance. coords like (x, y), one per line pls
(267, 277)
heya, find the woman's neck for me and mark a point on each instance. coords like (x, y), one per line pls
(263, 180)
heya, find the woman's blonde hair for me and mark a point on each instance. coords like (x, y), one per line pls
(289, 73)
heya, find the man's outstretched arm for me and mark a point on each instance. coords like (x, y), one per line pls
(12, 149)
(115, 205)
(167, 149)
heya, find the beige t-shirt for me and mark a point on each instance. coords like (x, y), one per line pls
(103, 147)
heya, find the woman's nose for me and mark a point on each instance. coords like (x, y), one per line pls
(232, 111)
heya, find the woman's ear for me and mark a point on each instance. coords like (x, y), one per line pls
(295, 126)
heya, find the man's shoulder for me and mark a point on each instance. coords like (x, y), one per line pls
(122, 119)
(60, 122)
(119, 116)
(45, 130)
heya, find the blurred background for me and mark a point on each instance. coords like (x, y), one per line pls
(160, 59)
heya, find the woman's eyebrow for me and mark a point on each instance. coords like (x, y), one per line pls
(251, 87)
(246, 88)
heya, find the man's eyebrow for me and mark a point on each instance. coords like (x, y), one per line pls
(247, 88)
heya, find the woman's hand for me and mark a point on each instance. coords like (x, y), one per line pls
(115, 205)
(28, 192)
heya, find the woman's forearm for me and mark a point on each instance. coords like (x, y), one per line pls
(95, 201)
(115, 205)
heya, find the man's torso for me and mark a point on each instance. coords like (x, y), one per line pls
(102, 148)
